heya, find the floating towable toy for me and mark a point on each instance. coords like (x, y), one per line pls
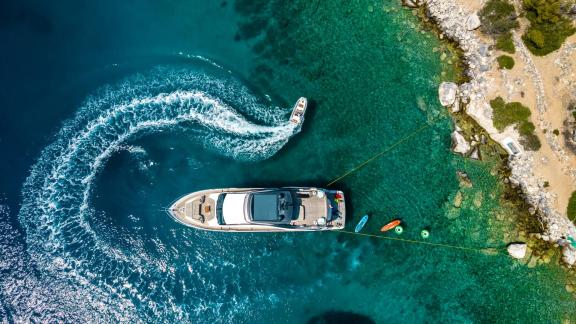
(398, 229)
(425, 234)
(393, 224)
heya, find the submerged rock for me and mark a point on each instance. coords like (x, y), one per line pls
(459, 143)
(517, 250)
(464, 179)
(478, 198)
(458, 199)
(447, 93)
(533, 262)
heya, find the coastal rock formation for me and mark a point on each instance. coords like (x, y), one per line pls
(447, 93)
(453, 20)
(459, 143)
(473, 22)
(517, 250)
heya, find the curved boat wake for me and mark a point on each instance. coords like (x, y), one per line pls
(222, 115)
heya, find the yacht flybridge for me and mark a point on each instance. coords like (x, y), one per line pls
(262, 210)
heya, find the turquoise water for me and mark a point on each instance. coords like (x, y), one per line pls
(108, 120)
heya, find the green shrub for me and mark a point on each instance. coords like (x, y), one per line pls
(536, 38)
(572, 207)
(515, 113)
(508, 113)
(498, 17)
(556, 132)
(548, 28)
(530, 142)
(497, 103)
(526, 128)
(542, 11)
(504, 43)
(505, 62)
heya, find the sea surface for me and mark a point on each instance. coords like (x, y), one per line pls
(110, 110)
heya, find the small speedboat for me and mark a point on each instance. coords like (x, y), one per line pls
(390, 225)
(289, 209)
(361, 224)
(299, 110)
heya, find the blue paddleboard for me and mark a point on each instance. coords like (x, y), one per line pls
(361, 224)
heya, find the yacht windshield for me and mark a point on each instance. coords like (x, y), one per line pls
(270, 207)
(265, 207)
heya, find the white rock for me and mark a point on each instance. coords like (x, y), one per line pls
(411, 3)
(475, 155)
(569, 255)
(447, 93)
(473, 22)
(517, 250)
(455, 107)
(459, 143)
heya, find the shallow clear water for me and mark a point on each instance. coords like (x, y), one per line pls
(108, 115)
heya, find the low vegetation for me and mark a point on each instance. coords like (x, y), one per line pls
(505, 62)
(506, 114)
(572, 109)
(571, 211)
(498, 18)
(514, 113)
(505, 43)
(531, 142)
(548, 27)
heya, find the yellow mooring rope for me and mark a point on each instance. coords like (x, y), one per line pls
(402, 140)
(487, 251)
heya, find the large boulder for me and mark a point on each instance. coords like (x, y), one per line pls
(459, 143)
(517, 250)
(447, 93)
(473, 22)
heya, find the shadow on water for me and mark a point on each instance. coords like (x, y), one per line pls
(338, 317)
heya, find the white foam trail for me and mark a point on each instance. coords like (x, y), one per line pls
(56, 195)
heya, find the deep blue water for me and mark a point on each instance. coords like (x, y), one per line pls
(110, 110)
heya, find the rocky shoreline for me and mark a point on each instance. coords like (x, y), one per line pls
(458, 25)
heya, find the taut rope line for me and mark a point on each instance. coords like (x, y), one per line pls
(464, 248)
(402, 140)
